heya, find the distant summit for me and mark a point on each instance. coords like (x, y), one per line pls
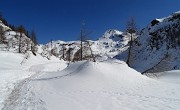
(112, 34)
(109, 45)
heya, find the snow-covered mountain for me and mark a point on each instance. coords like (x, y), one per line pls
(158, 46)
(11, 40)
(112, 43)
(155, 49)
(109, 84)
(109, 45)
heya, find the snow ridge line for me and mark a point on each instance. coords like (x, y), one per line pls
(69, 74)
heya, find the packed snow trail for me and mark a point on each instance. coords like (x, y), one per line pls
(16, 76)
(110, 85)
(15, 99)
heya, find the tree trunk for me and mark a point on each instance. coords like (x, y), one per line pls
(92, 55)
(20, 42)
(129, 52)
(63, 52)
(69, 54)
(81, 46)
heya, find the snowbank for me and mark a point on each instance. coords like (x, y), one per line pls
(110, 85)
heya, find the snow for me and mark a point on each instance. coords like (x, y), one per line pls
(160, 20)
(44, 82)
(109, 45)
(13, 71)
(104, 86)
(152, 51)
(85, 85)
(169, 76)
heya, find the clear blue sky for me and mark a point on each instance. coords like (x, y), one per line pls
(61, 19)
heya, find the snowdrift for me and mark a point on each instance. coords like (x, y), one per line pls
(110, 85)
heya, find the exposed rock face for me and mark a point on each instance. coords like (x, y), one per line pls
(158, 46)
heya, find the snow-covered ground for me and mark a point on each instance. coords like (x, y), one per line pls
(14, 69)
(169, 76)
(108, 85)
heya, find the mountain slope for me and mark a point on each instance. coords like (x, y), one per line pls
(157, 47)
(110, 44)
(12, 40)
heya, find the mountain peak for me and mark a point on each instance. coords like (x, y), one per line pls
(112, 34)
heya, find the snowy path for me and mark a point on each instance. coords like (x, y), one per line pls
(15, 97)
(14, 77)
(9, 80)
(21, 96)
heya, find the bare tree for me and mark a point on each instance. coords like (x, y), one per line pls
(92, 55)
(20, 38)
(21, 29)
(34, 41)
(51, 43)
(83, 38)
(63, 51)
(131, 29)
(69, 54)
(2, 36)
